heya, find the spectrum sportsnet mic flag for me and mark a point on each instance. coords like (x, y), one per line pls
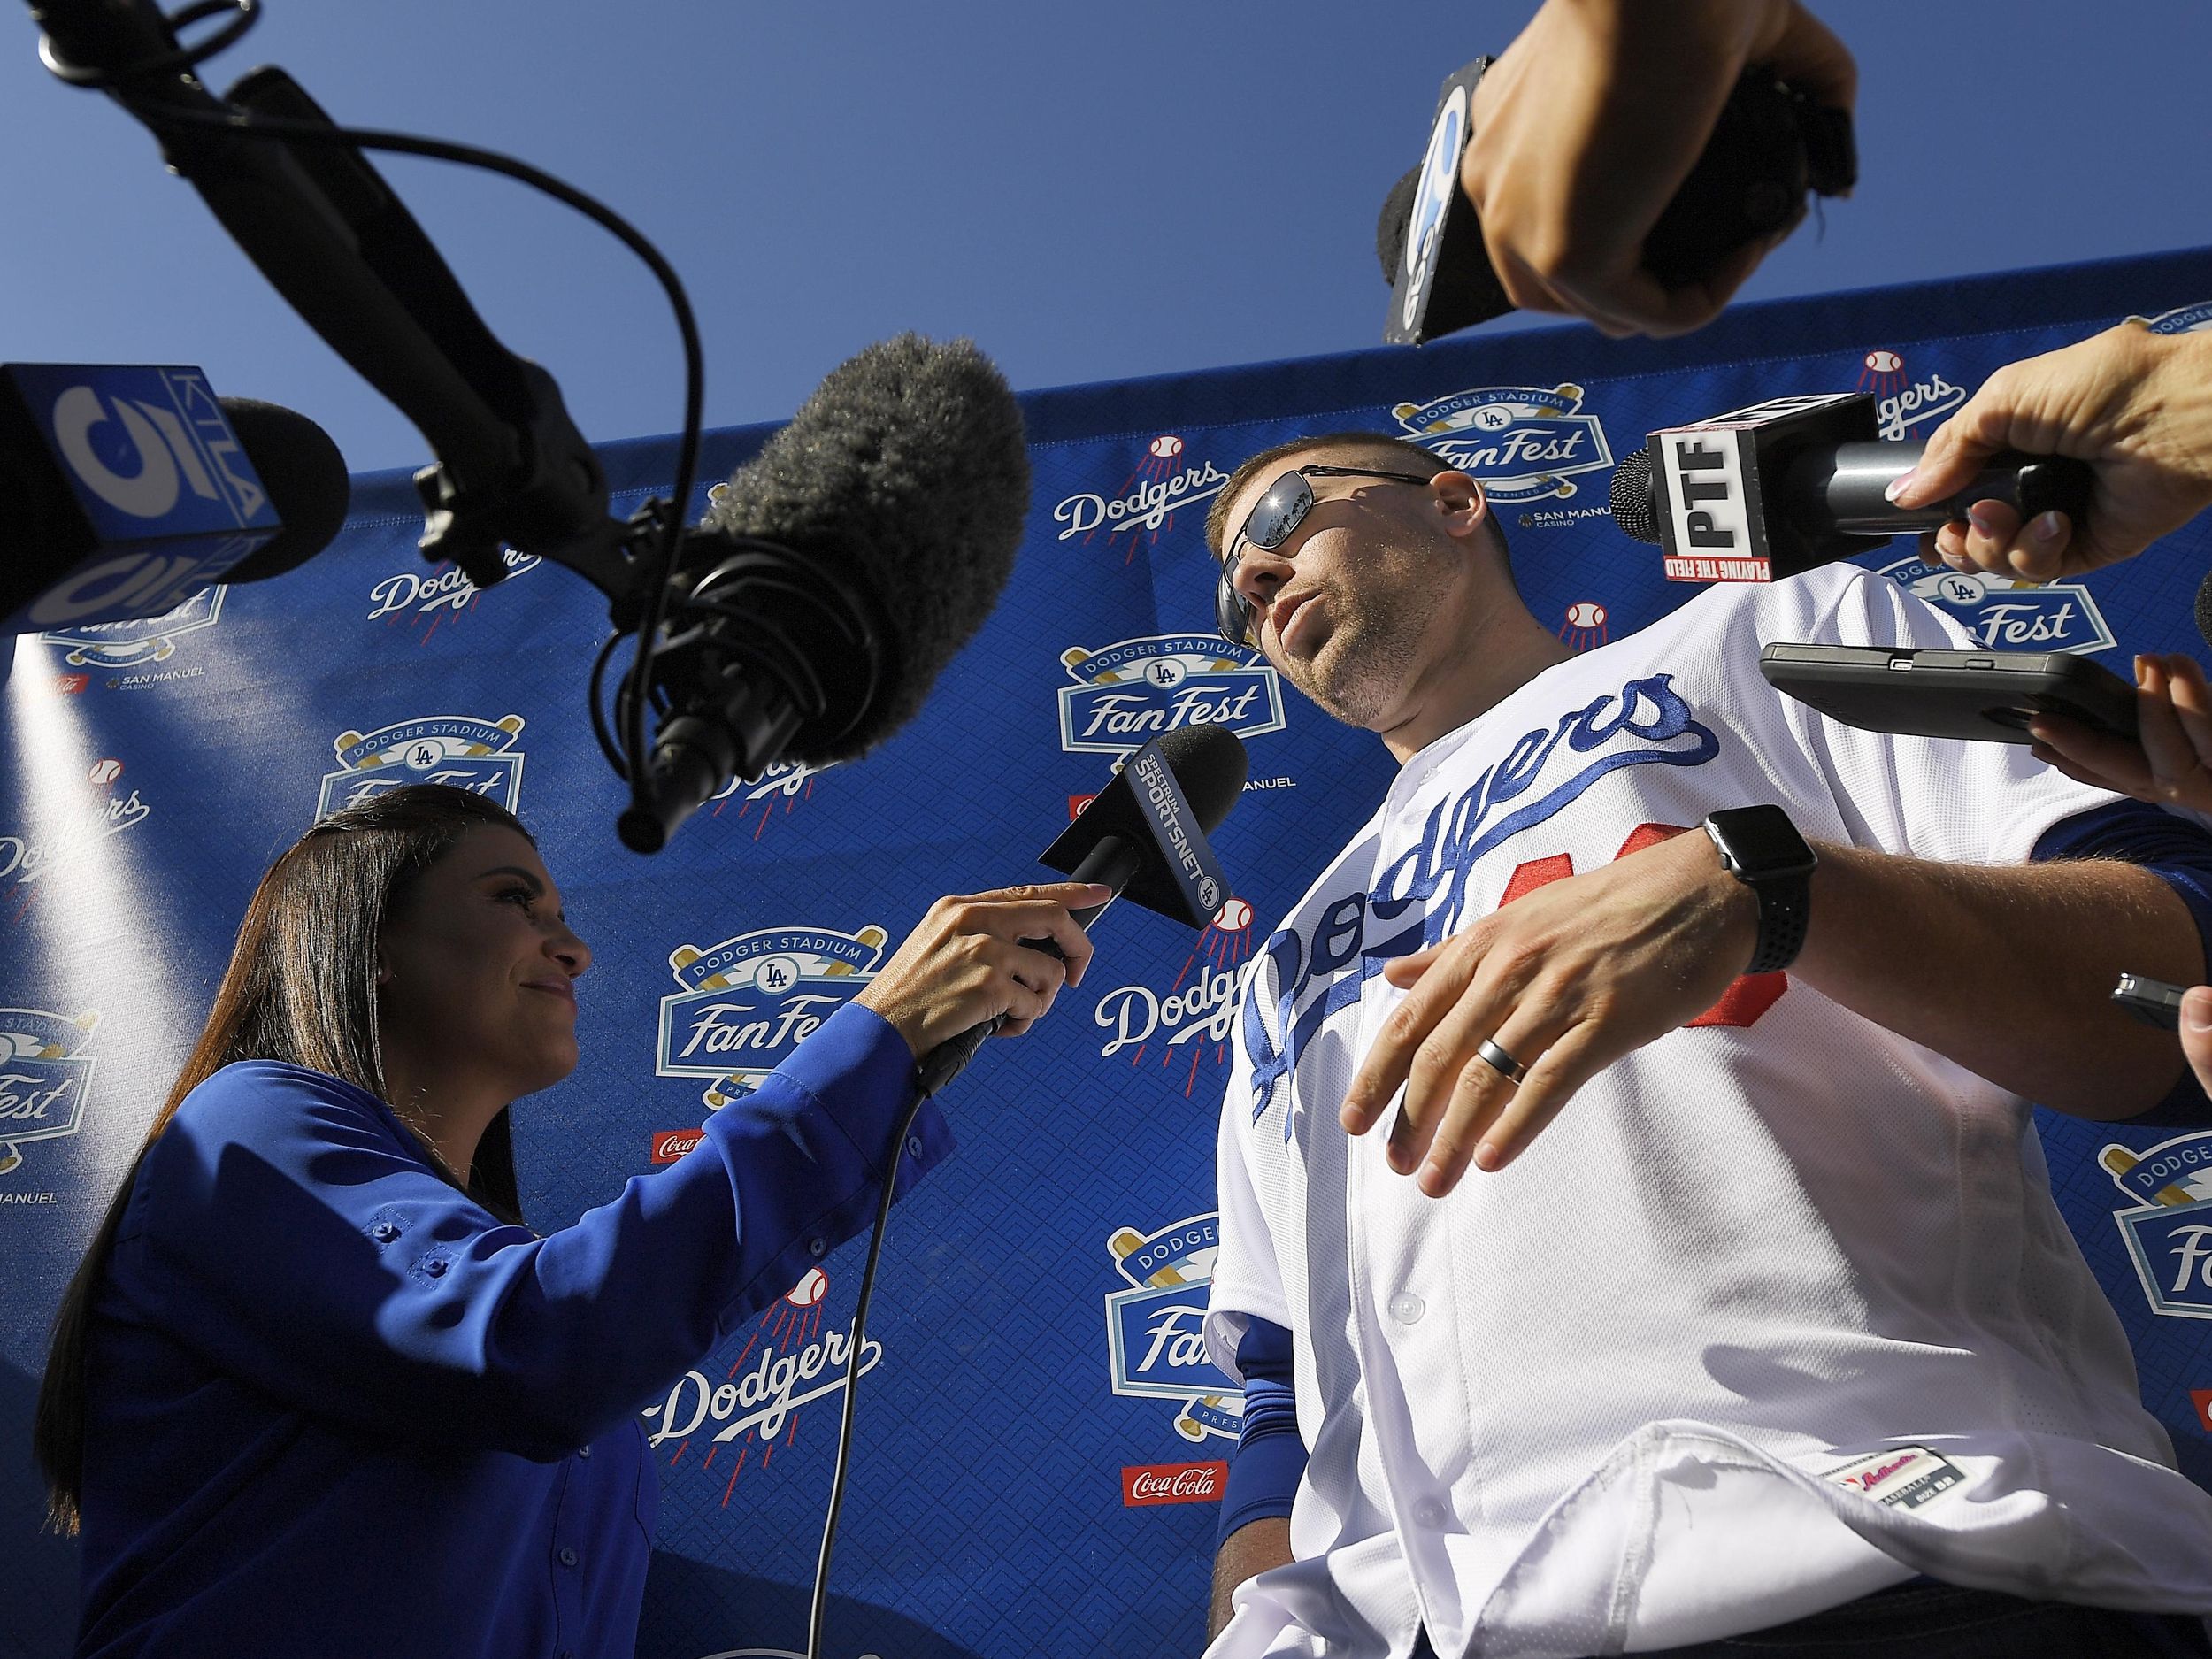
(1052, 1431)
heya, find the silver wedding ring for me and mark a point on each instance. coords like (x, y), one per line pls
(1503, 1064)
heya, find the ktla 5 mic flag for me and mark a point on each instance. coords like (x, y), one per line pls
(1040, 1444)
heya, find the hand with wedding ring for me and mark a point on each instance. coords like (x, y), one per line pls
(1505, 1020)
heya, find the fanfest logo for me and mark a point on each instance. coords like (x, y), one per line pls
(747, 1002)
(147, 640)
(1194, 1018)
(1147, 1484)
(2169, 1234)
(1165, 482)
(45, 1077)
(2183, 319)
(1519, 442)
(776, 793)
(80, 829)
(1155, 1329)
(788, 1363)
(435, 594)
(2001, 616)
(1127, 694)
(457, 749)
(1904, 403)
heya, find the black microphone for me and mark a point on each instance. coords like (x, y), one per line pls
(1771, 145)
(1766, 492)
(1144, 837)
(130, 488)
(334, 240)
(835, 574)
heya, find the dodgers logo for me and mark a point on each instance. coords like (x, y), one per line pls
(1519, 442)
(457, 749)
(1155, 1329)
(2183, 319)
(44, 1075)
(147, 640)
(1193, 1018)
(438, 593)
(1421, 897)
(2169, 1234)
(1163, 484)
(777, 792)
(1902, 401)
(1127, 694)
(747, 1002)
(78, 832)
(1999, 616)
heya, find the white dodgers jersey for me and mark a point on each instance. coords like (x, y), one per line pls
(1777, 1312)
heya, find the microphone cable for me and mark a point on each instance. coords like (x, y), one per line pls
(626, 750)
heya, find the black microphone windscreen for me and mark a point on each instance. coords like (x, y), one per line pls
(305, 476)
(1633, 509)
(1390, 228)
(907, 470)
(2204, 608)
(1210, 764)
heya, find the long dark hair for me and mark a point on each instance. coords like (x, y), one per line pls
(301, 988)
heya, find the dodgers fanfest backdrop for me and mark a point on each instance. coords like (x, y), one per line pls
(1040, 1442)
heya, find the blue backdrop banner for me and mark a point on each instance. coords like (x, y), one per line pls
(1041, 1440)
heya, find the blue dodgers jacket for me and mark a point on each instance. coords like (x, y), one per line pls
(336, 1408)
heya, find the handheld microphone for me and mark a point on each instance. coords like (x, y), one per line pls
(1144, 837)
(1764, 493)
(1770, 146)
(835, 574)
(135, 488)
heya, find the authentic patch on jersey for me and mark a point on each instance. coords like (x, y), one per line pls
(1903, 1477)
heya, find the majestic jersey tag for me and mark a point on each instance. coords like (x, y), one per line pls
(1903, 1477)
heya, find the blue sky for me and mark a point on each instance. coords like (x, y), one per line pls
(1092, 192)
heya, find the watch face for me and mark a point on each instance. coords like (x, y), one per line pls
(1761, 840)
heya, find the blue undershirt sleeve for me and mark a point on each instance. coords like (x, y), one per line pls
(2179, 853)
(1270, 1458)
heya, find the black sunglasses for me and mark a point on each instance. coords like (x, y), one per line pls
(1267, 527)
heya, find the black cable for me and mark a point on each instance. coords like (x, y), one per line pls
(820, 1606)
(278, 130)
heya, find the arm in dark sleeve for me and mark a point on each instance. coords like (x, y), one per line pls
(2179, 853)
(288, 1229)
(1270, 1458)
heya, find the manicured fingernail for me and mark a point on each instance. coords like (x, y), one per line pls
(1898, 485)
(2142, 667)
(2045, 527)
(1487, 1157)
(2196, 1010)
(1984, 525)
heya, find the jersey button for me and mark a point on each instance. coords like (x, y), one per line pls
(1429, 1513)
(568, 1556)
(1406, 1307)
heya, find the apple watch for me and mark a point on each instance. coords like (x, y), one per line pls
(1761, 847)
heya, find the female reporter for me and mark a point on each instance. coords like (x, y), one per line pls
(316, 1389)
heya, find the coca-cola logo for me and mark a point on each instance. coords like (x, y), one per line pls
(1147, 1484)
(670, 1144)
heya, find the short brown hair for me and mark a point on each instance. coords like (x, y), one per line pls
(1377, 444)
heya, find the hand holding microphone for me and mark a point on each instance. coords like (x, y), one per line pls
(2136, 407)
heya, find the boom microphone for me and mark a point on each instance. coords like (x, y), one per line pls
(1144, 837)
(836, 574)
(1766, 492)
(130, 489)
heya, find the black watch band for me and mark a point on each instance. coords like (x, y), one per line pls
(1762, 849)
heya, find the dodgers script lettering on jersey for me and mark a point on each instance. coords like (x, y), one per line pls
(1646, 723)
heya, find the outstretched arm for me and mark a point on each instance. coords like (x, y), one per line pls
(2004, 970)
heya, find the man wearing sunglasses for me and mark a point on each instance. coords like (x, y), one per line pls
(1704, 1292)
